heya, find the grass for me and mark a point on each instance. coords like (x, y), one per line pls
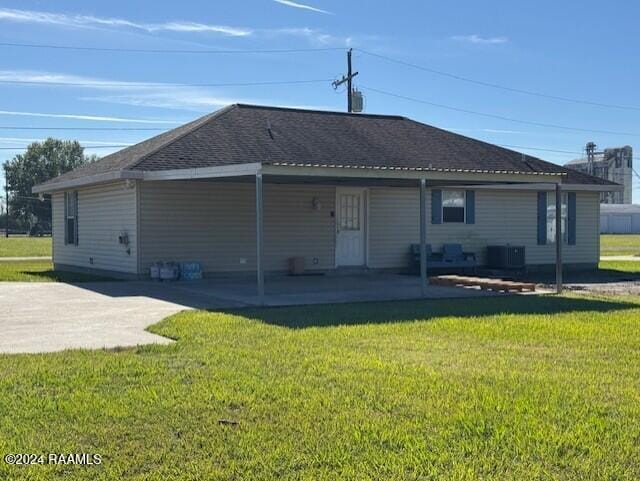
(620, 245)
(41, 271)
(514, 388)
(25, 247)
(621, 266)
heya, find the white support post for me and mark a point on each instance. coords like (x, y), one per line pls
(259, 238)
(424, 281)
(558, 239)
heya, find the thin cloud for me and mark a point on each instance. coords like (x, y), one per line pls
(313, 35)
(89, 21)
(182, 99)
(501, 131)
(477, 39)
(61, 79)
(194, 101)
(289, 3)
(96, 118)
(141, 94)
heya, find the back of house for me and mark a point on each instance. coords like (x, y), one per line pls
(254, 186)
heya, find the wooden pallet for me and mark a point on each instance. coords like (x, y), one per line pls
(484, 283)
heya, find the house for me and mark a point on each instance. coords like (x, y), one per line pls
(248, 187)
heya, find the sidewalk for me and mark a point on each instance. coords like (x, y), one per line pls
(10, 259)
(620, 258)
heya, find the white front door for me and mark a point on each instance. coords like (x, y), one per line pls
(350, 227)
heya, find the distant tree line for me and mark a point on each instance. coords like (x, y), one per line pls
(40, 162)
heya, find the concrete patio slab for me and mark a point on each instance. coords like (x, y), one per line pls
(303, 290)
(47, 317)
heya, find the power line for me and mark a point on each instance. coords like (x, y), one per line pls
(167, 51)
(499, 86)
(499, 117)
(84, 147)
(162, 84)
(542, 149)
(83, 128)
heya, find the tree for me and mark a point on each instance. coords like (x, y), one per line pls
(40, 162)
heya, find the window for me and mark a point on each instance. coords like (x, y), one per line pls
(349, 212)
(453, 206)
(71, 218)
(551, 218)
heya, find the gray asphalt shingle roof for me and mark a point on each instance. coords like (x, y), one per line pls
(241, 134)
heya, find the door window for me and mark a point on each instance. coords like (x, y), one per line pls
(350, 212)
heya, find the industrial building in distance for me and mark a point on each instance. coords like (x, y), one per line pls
(614, 164)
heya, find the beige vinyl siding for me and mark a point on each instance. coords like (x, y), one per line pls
(214, 222)
(104, 212)
(394, 223)
(501, 217)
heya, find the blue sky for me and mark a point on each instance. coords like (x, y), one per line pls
(583, 50)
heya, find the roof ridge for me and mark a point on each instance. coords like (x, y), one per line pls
(195, 125)
(319, 111)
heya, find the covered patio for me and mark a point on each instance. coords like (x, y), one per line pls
(268, 289)
(281, 290)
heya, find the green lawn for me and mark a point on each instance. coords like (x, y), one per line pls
(25, 246)
(622, 266)
(620, 245)
(513, 388)
(40, 271)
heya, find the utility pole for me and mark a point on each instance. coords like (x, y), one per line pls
(348, 80)
(591, 150)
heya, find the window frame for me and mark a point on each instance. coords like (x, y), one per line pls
(71, 213)
(464, 206)
(350, 213)
(551, 218)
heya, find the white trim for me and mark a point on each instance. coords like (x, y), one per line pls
(542, 186)
(175, 174)
(250, 169)
(399, 173)
(204, 172)
(82, 181)
(412, 169)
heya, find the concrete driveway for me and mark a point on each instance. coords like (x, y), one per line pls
(49, 316)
